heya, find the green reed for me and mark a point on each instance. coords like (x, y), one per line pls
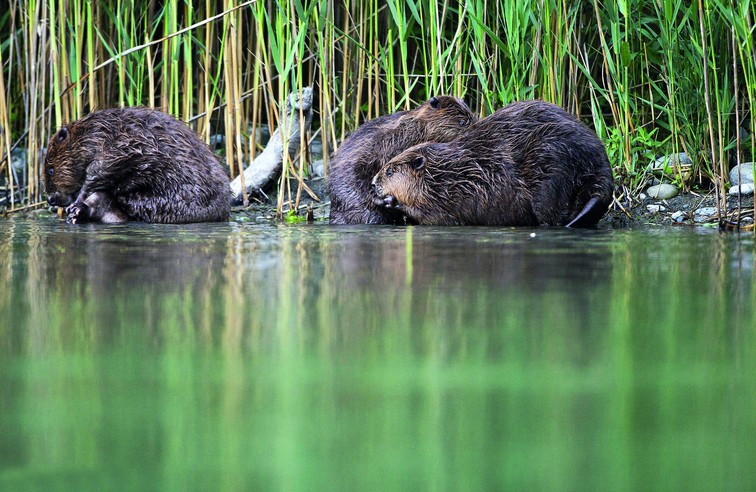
(638, 71)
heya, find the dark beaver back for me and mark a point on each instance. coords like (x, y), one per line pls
(529, 163)
(155, 168)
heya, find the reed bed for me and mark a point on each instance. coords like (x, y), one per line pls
(653, 77)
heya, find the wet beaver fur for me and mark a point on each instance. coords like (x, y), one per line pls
(361, 155)
(141, 164)
(530, 163)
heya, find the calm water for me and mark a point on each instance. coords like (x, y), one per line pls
(271, 357)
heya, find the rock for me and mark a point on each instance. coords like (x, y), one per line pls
(746, 174)
(678, 216)
(662, 191)
(671, 161)
(745, 189)
(18, 159)
(704, 213)
(318, 168)
(316, 148)
(262, 133)
(217, 140)
(655, 208)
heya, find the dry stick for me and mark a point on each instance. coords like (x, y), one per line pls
(267, 165)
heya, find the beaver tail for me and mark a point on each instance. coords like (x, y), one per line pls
(591, 213)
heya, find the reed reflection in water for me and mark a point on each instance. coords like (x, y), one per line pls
(261, 356)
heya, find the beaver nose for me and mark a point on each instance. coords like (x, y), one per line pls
(53, 199)
(373, 187)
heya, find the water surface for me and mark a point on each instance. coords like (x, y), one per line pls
(274, 357)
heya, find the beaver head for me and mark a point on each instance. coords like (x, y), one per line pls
(68, 155)
(442, 118)
(428, 182)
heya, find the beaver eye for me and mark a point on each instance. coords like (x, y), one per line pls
(50, 171)
(62, 134)
(462, 122)
(390, 172)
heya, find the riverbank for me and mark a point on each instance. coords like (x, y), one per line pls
(695, 208)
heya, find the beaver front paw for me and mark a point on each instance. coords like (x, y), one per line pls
(390, 201)
(78, 212)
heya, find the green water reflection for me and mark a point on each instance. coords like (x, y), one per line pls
(238, 357)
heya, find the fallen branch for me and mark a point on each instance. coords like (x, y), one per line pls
(268, 165)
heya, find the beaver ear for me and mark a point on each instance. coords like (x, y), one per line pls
(418, 163)
(62, 134)
(434, 103)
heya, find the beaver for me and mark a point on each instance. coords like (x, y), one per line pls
(361, 155)
(529, 163)
(116, 165)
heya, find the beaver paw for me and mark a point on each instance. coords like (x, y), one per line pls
(78, 212)
(390, 201)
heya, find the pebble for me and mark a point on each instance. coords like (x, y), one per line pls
(745, 189)
(704, 213)
(655, 208)
(678, 216)
(746, 174)
(662, 191)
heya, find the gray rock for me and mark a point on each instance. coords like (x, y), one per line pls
(262, 134)
(704, 213)
(745, 189)
(217, 140)
(318, 168)
(746, 174)
(678, 216)
(655, 208)
(672, 161)
(316, 148)
(662, 191)
(18, 159)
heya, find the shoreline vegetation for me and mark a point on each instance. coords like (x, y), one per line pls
(652, 77)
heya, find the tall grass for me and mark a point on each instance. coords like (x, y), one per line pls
(652, 77)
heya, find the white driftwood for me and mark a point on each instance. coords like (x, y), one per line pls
(267, 166)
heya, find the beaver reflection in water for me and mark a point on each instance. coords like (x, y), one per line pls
(530, 163)
(141, 164)
(361, 155)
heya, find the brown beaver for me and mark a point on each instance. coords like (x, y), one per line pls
(530, 163)
(116, 165)
(361, 155)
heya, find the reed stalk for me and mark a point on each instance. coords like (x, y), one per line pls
(632, 69)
